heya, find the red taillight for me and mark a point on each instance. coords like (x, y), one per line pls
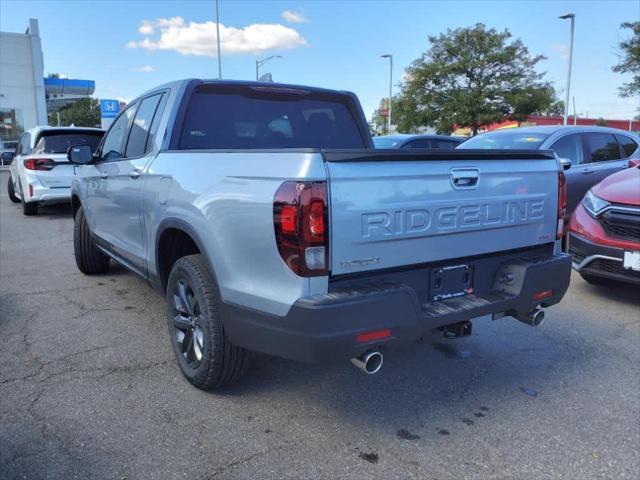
(300, 222)
(562, 203)
(373, 335)
(542, 294)
(39, 164)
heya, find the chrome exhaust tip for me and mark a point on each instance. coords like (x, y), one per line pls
(369, 362)
(534, 318)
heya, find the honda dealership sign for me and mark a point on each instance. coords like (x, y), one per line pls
(109, 109)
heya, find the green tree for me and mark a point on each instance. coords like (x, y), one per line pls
(601, 122)
(82, 113)
(630, 60)
(471, 77)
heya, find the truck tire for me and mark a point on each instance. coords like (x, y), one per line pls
(11, 191)
(88, 258)
(205, 355)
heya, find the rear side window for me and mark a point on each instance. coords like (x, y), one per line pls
(628, 145)
(421, 143)
(569, 147)
(60, 141)
(138, 142)
(246, 118)
(23, 145)
(439, 143)
(601, 147)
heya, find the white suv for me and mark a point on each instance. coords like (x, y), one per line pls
(40, 172)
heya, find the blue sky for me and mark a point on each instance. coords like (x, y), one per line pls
(334, 44)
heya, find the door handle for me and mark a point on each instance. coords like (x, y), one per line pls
(134, 173)
(104, 175)
(464, 178)
(587, 171)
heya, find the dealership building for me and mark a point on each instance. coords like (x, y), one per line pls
(26, 96)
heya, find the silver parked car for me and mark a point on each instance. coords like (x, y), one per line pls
(40, 171)
(594, 152)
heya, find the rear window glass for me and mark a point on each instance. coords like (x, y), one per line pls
(505, 141)
(387, 142)
(629, 145)
(601, 147)
(59, 142)
(243, 118)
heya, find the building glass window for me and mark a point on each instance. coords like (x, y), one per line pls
(11, 124)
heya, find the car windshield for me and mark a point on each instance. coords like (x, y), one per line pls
(386, 142)
(59, 142)
(247, 118)
(512, 140)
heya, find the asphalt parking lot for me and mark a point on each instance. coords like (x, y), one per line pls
(89, 388)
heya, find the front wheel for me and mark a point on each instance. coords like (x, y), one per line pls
(88, 258)
(12, 192)
(205, 355)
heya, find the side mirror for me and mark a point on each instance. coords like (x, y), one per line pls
(80, 154)
(634, 162)
(7, 157)
(566, 163)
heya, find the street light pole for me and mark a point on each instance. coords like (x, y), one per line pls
(218, 40)
(259, 63)
(390, 57)
(572, 17)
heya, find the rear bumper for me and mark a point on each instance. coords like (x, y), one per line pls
(324, 327)
(590, 258)
(51, 195)
(34, 191)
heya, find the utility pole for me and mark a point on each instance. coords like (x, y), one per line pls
(218, 40)
(390, 57)
(572, 17)
(575, 116)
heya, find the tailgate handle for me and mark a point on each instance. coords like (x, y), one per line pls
(465, 178)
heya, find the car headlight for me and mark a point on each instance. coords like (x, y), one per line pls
(594, 204)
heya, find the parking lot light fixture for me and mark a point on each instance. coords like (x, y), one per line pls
(390, 57)
(572, 17)
(259, 63)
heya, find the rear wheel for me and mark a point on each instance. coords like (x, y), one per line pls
(11, 191)
(205, 355)
(88, 258)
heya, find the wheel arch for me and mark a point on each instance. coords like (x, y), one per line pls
(75, 204)
(175, 238)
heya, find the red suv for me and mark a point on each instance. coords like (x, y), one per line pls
(604, 233)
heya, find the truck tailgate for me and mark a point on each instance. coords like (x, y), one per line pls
(391, 208)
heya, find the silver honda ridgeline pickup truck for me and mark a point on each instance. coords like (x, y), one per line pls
(271, 224)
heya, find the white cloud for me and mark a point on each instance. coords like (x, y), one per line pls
(144, 69)
(195, 38)
(562, 49)
(293, 17)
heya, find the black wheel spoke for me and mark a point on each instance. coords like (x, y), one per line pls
(184, 298)
(181, 323)
(189, 349)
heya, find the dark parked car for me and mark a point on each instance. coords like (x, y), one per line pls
(416, 141)
(594, 152)
(604, 233)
